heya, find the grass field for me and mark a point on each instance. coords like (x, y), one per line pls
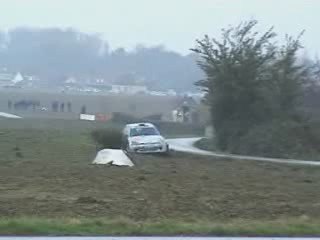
(134, 105)
(49, 186)
(102, 226)
(168, 129)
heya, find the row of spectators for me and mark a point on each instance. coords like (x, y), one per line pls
(34, 105)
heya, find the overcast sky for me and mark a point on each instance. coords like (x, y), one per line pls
(173, 23)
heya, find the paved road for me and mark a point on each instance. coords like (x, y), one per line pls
(187, 145)
(147, 238)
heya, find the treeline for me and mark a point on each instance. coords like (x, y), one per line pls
(55, 54)
(258, 90)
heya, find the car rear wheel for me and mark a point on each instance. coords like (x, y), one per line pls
(125, 146)
(128, 148)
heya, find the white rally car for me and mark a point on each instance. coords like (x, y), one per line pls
(143, 138)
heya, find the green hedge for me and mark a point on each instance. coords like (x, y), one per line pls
(107, 138)
(284, 139)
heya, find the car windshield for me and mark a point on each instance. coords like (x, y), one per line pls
(146, 131)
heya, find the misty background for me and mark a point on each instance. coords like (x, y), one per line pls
(133, 42)
(54, 55)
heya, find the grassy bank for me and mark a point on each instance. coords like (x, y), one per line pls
(81, 226)
(168, 129)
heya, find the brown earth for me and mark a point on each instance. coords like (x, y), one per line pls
(49, 173)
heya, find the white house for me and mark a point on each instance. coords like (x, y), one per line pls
(158, 93)
(128, 89)
(100, 81)
(172, 92)
(17, 78)
(8, 79)
(5, 79)
(71, 80)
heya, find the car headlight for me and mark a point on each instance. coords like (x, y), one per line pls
(135, 143)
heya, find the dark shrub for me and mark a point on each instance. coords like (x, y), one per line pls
(107, 138)
(206, 144)
(285, 139)
(119, 117)
(154, 117)
(179, 129)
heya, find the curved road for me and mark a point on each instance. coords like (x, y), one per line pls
(187, 145)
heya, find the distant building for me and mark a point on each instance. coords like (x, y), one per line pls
(9, 79)
(17, 78)
(158, 93)
(30, 80)
(98, 83)
(128, 89)
(71, 80)
(5, 79)
(95, 81)
(172, 93)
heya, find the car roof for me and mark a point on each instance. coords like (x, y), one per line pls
(134, 125)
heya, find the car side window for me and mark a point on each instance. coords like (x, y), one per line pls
(134, 132)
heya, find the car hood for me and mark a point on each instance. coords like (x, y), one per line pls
(146, 139)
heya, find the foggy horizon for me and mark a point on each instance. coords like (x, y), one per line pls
(125, 24)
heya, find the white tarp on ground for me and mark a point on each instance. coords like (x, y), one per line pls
(8, 115)
(113, 157)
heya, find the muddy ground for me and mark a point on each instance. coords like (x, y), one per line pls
(49, 173)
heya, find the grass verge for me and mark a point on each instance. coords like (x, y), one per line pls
(74, 226)
(206, 144)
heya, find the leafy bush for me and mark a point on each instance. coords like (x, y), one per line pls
(119, 117)
(153, 117)
(285, 139)
(206, 144)
(250, 81)
(179, 129)
(107, 138)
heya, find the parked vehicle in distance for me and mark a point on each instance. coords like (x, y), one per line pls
(143, 138)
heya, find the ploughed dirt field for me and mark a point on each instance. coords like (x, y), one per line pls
(49, 173)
